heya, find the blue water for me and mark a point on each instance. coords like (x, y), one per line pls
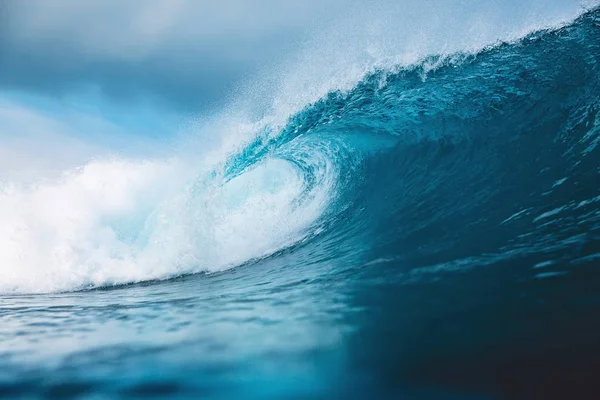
(457, 255)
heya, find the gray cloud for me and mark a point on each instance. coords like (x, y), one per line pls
(184, 52)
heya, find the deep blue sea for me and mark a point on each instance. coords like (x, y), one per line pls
(440, 240)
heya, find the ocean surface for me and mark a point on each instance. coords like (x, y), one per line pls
(433, 232)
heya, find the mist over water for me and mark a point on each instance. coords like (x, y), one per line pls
(404, 203)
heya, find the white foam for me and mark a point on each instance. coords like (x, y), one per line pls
(118, 222)
(60, 235)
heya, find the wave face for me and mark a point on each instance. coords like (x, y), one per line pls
(475, 171)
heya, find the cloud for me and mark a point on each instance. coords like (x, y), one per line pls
(184, 52)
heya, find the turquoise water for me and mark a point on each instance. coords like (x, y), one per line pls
(440, 240)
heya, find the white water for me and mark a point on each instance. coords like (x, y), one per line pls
(117, 222)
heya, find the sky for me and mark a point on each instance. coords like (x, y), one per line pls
(82, 78)
(183, 53)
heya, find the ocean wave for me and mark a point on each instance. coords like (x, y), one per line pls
(416, 161)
